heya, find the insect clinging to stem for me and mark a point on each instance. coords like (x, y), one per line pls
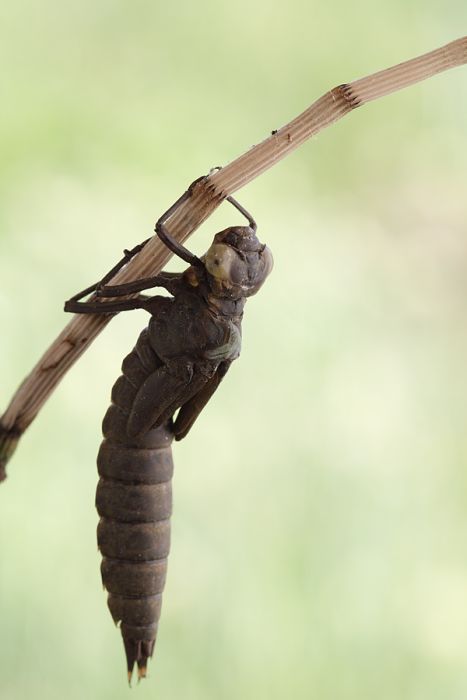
(177, 364)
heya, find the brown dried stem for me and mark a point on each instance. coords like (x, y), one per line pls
(82, 330)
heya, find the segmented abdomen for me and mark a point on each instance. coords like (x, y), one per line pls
(134, 501)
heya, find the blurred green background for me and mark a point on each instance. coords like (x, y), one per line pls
(320, 527)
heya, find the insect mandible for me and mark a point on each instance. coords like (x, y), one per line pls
(177, 364)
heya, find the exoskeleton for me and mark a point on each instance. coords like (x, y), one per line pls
(178, 362)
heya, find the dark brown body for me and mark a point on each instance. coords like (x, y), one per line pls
(134, 501)
(177, 364)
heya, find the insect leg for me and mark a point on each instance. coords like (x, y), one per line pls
(128, 254)
(104, 307)
(169, 387)
(171, 243)
(153, 397)
(167, 280)
(243, 211)
(190, 410)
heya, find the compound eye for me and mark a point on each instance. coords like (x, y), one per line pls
(261, 271)
(222, 263)
(268, 261)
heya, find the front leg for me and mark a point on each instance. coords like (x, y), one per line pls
(168, 240)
